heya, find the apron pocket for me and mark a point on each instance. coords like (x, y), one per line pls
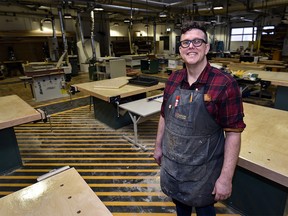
(183, 172)
(188, 150)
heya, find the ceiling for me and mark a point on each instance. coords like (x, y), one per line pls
(149, 10)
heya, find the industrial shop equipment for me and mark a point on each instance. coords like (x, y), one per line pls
(48, 80)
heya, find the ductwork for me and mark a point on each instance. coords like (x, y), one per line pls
(80, 29)
(52, 21)
(149, 7)
(143, 3)
(92, 37)
(62, 29)
(54, 28)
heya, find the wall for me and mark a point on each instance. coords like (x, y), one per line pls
(24, 36)
(221, 33)
(11, 23)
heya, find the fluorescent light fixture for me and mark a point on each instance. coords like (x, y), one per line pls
(219, 7)
(98, 8)
(168, 29)
(126, 20)
(67, 16)
(44, 7)
(46, 20)
(162, 15)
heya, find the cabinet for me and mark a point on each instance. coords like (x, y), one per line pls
(112, 67)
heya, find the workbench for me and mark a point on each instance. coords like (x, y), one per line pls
(14, 111)
(260, 185)
(65, 193)
(108, 94)
(279, 79)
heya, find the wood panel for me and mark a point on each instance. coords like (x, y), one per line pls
(14, 111)
(264, 147)
(65, 193)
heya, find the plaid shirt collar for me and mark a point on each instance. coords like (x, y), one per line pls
(203, 77)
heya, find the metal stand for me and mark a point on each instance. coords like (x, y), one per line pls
(135, 141)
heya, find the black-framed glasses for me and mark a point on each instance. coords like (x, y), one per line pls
(195, 42)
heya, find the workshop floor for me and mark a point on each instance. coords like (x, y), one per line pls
(125, 178)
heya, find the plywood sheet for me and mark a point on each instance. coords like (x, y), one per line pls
(115, 83)
(63, 194)
(14, 111)
(264, 147)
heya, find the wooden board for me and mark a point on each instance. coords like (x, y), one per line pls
(63, 194)
(264, 147)
(115, 83)
(14, 111)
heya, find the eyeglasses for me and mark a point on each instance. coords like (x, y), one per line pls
(195, 42)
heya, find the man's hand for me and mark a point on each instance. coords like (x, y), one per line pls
(223, 186)
(158, 155)
(158, 143)
(222, 189)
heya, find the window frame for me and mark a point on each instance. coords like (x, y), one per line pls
(243, 34)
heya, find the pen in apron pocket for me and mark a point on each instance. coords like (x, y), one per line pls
(177, 101)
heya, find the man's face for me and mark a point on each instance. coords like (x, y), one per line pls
(192, 54)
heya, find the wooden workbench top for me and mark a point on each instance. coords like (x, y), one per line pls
(104, 93)
(276, 78)
(14, 111)
(65, 193)
(264, 147)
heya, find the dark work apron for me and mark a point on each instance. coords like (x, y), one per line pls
(193, 148)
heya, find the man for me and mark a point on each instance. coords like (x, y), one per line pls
(199, 131)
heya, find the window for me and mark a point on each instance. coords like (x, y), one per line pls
(243, 34)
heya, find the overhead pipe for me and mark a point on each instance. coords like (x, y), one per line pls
(130, 38)
(53, 28)
(52, 24)
(125, 8)
(92, 36)
(130, 28)
(62, 29)
(54, 50)
(155, 5)
(55, 53)
(80, 28)
(144, 3)
(154, 36)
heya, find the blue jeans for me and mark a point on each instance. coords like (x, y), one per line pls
(185, 210)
